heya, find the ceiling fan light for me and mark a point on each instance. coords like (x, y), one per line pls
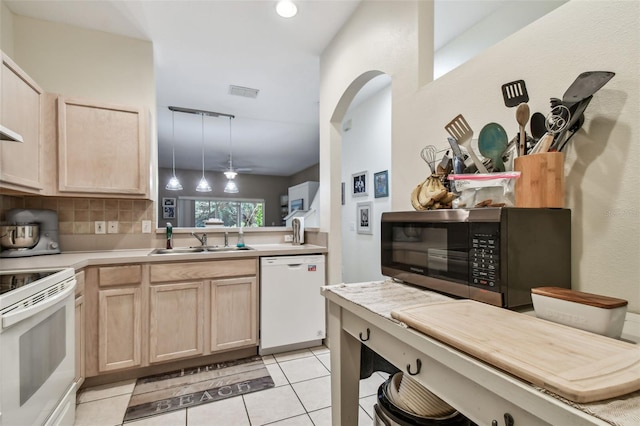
(174, 184)
(203, 185)
(286, 9)
(231, 187)
(230, 174)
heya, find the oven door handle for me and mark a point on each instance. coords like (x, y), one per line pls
(20, 314)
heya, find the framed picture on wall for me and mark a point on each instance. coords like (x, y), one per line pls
(359, 184)
(168, 208)
(364, 217)
(381, 184)
(297, 204)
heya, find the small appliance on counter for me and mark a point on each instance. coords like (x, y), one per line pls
(29, 232)
(298, 230)
(494, 255)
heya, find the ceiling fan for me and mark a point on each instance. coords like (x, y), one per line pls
(228, 166)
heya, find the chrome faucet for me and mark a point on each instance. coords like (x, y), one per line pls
(202, 239)
(226, 239)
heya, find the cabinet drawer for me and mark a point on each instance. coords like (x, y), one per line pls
(202, 270)
(119, 275)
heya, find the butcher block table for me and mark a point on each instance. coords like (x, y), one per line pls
(420, 341)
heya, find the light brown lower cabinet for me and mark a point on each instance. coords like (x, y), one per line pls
(120, 328)
(215, 300)
(234, 310)
(176, 321)
(140, 315)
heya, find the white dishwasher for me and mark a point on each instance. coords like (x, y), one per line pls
(292, 310)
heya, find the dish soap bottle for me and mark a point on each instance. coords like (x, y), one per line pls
(240, 238)
(169, 236)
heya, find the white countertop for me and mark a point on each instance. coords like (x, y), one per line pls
(81, 259)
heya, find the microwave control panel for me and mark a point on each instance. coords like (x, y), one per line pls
(485, 260)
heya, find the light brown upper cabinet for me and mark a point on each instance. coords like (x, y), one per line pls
(21, 112)
(102, 149)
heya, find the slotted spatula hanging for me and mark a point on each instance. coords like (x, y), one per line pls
(460, 130)
(514, 93)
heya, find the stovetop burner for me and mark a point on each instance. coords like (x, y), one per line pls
(19, 285)
(12, 281)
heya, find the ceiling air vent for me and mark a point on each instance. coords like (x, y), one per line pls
(246, 92)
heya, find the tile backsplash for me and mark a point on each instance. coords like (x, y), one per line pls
(77, 216)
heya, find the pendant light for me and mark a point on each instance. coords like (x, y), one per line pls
(174, 183)
(230, 187)
(203, 185)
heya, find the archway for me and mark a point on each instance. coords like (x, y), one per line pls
(363, 120)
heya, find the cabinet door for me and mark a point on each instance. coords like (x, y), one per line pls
(119, 325)
(20, 111)
(80, 341)
(80, 330)
(176, 321)
(102, 149)
(234, 313)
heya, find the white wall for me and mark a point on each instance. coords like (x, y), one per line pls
(602, 176)
(504, 21)
(365, 146)
(6, 29)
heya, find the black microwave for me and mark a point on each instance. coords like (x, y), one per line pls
(493, 255)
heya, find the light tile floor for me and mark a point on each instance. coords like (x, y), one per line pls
(301, 397)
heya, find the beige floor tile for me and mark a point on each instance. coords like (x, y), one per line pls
(363, 418)
(370, 385)
(174, 418)
(106, 391)
(268, 359)
(303, 420)
(323, 417)
(314, 394)
(279, 379)
(271, 405)
(230, 411)
(324, 359)
(367, 404)
(301, 369)
(104, 412)
(319, 350)
(288, 356)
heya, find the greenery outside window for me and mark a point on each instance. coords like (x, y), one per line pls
(234, 213)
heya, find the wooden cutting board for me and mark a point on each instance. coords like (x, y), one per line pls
(575, 364)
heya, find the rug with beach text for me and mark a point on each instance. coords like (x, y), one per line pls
(163, 393)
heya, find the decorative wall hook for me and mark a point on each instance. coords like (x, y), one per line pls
(418, 367)
(368, 334)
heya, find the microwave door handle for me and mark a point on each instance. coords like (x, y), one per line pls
(20, 314)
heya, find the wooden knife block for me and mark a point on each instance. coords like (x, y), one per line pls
(541, 182)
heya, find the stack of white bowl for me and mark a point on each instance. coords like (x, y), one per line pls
(411, 396)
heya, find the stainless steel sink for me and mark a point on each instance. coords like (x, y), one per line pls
(178, 250)
(207, 249)
(230, 248)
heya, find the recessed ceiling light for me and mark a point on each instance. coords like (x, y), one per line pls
(286, 9)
